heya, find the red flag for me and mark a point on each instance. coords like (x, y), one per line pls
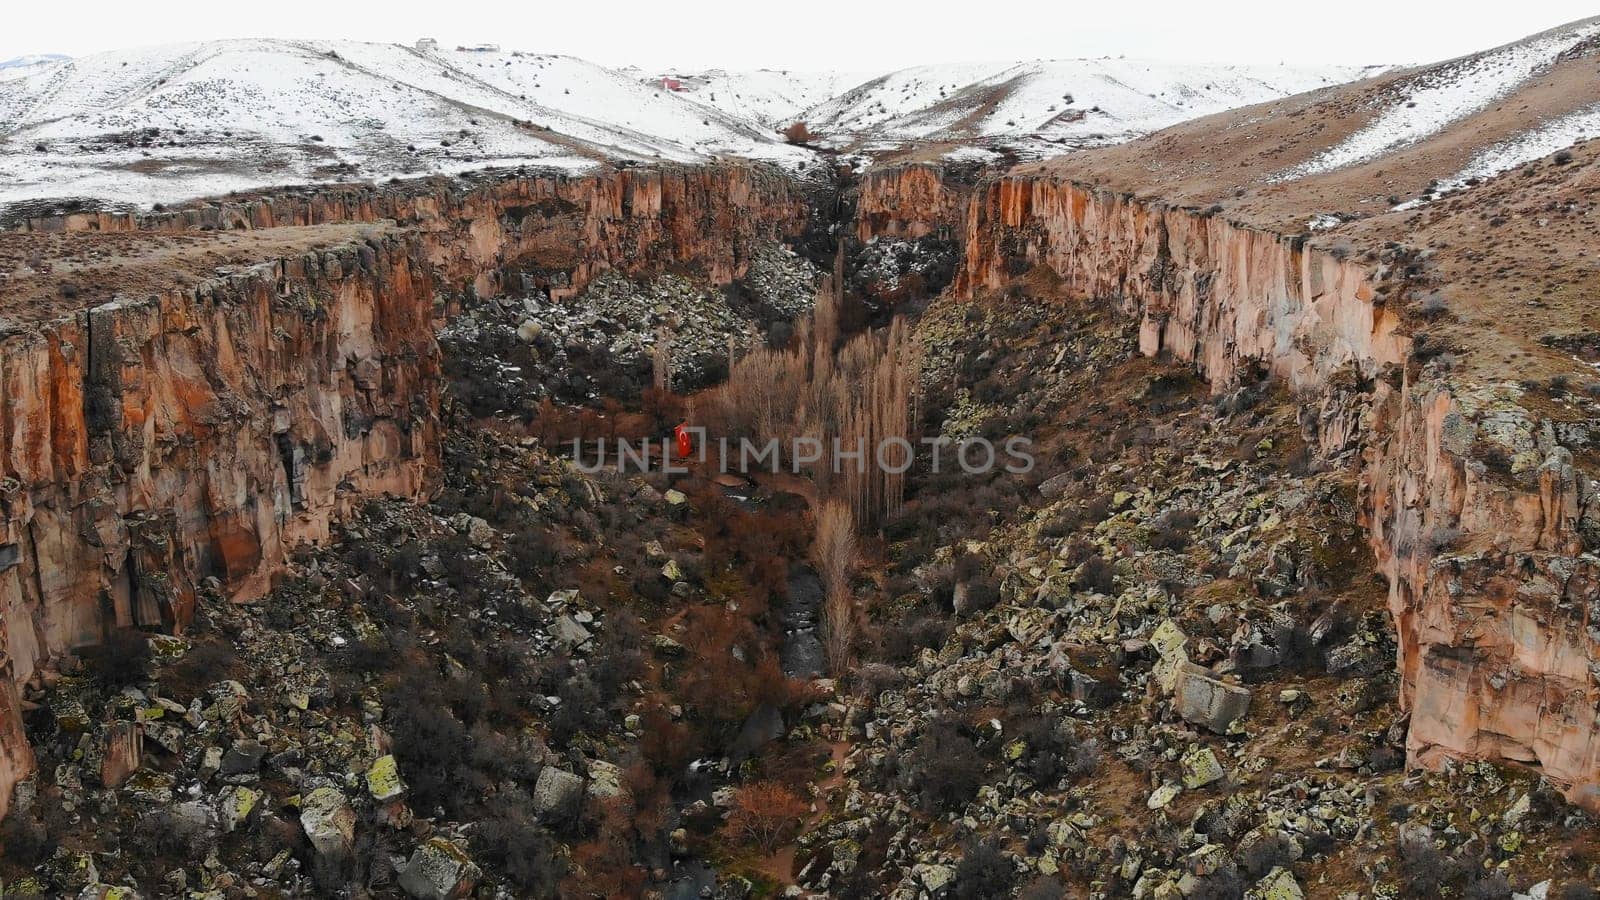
(685, 445)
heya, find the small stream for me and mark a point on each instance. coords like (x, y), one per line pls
(802, 655)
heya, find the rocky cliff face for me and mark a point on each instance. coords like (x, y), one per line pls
(1485, 523)
(1474, 508)
(910, 202)
(147, 445)
(566, 228)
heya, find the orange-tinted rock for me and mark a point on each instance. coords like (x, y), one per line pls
(16, 756)
(121, 753)
(910, 201)
(1497, 657)
(152, 442)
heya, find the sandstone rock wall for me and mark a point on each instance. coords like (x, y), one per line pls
(1490, 584)
(146, 445)
(151, 443)
(910, 202)
(708, 218)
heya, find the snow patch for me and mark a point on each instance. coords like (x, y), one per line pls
(1535, 143)
(1427, 102)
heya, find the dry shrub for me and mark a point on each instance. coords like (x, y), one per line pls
(122, 660)
(797, 133)
(765, 814)
(944, 769)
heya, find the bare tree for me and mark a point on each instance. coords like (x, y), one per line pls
(661, 361)
(833, 552)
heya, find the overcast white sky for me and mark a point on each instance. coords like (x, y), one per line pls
(816, 34)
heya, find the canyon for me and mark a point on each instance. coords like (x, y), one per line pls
(191, 397)
(207, 429)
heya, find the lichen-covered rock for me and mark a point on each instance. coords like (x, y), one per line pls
(1162, 796)
(605, 780)
(935, 879)
(556, 794)
(70, 870)
(329, 822)
(235, 806)
(105, 892)
(383, 779)
(1200, 768)
(1279, 884)
(439, 870)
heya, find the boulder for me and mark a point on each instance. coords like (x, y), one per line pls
(556, 794)
(1162, 796)
(1056, 485)
(107, 892)
(1208, 859)
(383, 779)
(568, 633)
(122, 751)
(235, 806)
(1278, 885)
(605, 780)
(243, 758)
(666, 646)
(1200, 768)
(1208, 701)
(439, 870)
(70, 870)
(329, 823)
(934, 878)
(480, 533)
(562, 598)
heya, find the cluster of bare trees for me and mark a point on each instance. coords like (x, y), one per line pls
(856, 405)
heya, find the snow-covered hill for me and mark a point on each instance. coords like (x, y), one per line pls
(9, 66)
(773, 98)
(174, 122)
(1073, 102)
(1417, 107)
(179, 121)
